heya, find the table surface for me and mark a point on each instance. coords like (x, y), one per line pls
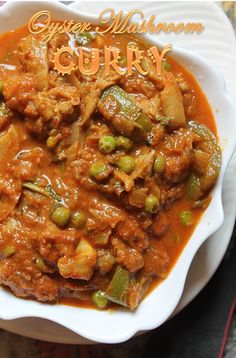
(196, 332)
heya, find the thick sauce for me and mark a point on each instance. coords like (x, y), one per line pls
(69, 228)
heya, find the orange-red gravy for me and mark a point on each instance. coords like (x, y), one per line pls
(177, 236)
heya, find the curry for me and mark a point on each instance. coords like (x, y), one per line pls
(103, 178)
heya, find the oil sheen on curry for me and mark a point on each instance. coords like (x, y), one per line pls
(102, 178)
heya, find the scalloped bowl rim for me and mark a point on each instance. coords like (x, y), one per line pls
(107, 326)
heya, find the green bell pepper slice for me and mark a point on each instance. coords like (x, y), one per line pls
(118, 107)
(117, 290)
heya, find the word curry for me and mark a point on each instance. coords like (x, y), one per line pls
(87, 62)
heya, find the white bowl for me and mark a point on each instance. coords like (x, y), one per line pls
(118, 326)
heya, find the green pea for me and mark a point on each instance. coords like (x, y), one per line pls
(124, 143)
(107, 144)
(1, 86)
(78, 219)
(151, 204)
(159, 164)
(98, 170)
(40, 264)
(51, 142)
(186, 218)
(126, 164)
(166, 65)
(99, 299)
(61, 216)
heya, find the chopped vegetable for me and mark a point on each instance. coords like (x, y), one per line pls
(186, 218)
(78, 219)
(118, 288)
(144, 164)
(81, 265)
(172, 102)
(126, 256)
(159, 164)
(99, 170)
(125, 179)
(211, 147)
(125, 115)
(61, 216)
(101, 239)
(36, 188)
(137, 197)
(105, 261)
(124, 143)
(193, 187)
(200, 161)
(126, 164)
(144, 123)
(99, 299)
(151, 204)
(84, 38)
(47, 191)
(137, 290)
(107, 144)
